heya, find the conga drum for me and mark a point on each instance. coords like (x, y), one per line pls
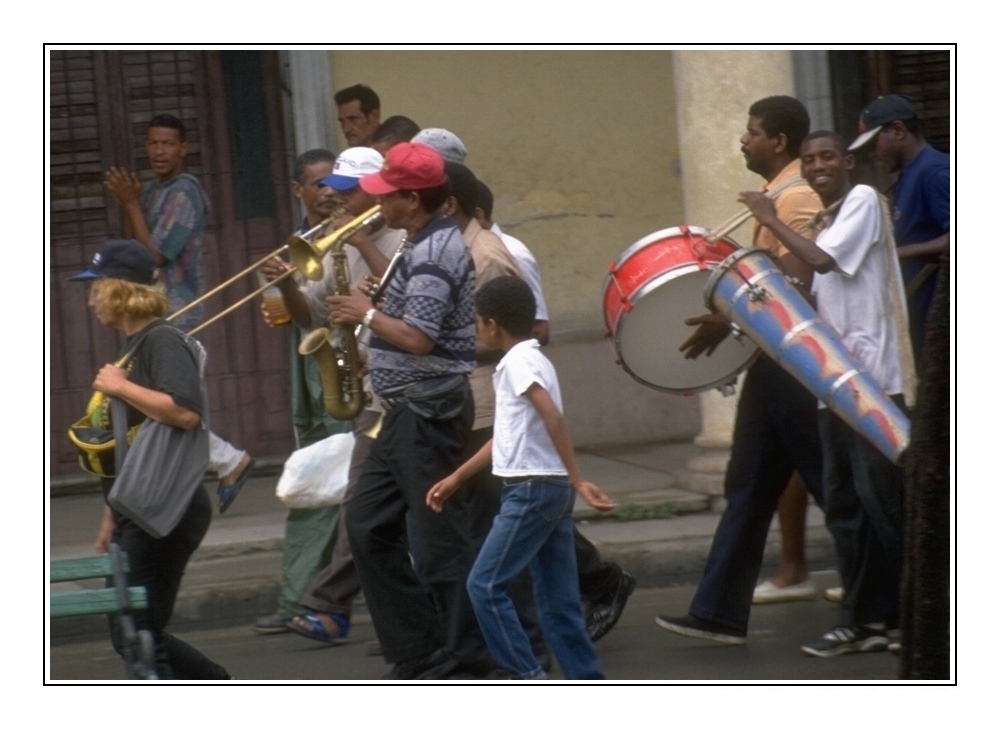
(650, 289)
(749, 288)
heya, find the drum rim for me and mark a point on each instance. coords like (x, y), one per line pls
(643, 243)
(659, 234)
(724, 265)
(641, 291)
(729, 379)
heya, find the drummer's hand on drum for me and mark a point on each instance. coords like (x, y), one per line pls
(711, 332)
(761, 206)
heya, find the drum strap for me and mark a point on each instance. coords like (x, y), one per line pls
(744, 215)
(898, 297)
(818, 221)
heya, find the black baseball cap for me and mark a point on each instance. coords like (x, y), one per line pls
(884, 110)
(125, 259)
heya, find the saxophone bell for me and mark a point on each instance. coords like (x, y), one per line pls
(344, 396)
(340, 363)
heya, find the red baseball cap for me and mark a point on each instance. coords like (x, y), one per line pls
(408, 166)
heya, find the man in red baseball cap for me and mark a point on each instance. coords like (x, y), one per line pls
(422, 349)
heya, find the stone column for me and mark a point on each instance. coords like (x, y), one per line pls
(713, 91)
(313, 115)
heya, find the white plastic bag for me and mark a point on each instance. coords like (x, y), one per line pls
(316, 476)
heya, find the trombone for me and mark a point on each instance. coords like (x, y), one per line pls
(310, 257)
(310, 262)
(307, 254)
(220, 287)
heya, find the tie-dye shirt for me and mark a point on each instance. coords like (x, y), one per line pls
(176, 211)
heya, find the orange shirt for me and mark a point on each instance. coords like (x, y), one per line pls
(796, 206)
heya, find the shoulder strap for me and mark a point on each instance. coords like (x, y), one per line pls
(119, 411)
(119, 425)
(898, 298)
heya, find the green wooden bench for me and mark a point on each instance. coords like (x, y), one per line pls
(119, 600)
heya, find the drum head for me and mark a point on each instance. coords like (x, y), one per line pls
(648, 338)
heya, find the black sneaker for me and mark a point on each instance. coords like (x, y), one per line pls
(433, 665)
(848, 639)
(695, 627)
(604, 616)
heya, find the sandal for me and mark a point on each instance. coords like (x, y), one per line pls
(316, 630)
(228, 494)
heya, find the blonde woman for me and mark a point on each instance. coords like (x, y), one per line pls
(161, 382)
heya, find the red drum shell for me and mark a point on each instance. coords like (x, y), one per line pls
(651, 288)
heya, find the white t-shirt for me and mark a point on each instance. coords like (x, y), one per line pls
(521, 444)
(529, 267)
(855, 297)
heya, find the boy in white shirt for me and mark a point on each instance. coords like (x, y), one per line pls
(859, 293)
(531, 449)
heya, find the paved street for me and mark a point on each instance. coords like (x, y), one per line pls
(636, 650)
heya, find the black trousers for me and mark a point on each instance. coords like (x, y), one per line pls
(775, 433)
(598, 579)
(417, 606)
(158, 565)
(865, 512)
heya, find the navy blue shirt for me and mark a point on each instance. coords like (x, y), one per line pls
(921, 212)
(433, 291)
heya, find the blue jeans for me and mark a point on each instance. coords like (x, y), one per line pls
(534, 530)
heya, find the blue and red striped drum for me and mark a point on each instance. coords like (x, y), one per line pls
(749, 289)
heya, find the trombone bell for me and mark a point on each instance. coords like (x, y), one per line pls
(307, 255)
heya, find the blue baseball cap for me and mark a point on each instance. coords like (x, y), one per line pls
(125, 259)
(884, 110)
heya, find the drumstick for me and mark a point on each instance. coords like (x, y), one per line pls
(729, 226)
(741, 217)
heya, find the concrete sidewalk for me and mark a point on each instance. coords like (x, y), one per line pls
(662, 532)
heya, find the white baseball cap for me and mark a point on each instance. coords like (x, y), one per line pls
(353, 164)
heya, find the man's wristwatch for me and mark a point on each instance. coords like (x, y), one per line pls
(369, 315)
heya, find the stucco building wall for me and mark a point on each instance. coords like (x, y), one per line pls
(581, 151)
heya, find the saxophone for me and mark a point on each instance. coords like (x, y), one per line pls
(339, 363)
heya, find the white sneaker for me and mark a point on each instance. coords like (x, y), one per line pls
(767, 592)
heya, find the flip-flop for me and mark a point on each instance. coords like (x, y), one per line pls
(317, 631)
(228, 494)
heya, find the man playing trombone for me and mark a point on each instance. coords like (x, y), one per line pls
(329, 595)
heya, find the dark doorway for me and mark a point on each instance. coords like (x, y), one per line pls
(231, 104)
